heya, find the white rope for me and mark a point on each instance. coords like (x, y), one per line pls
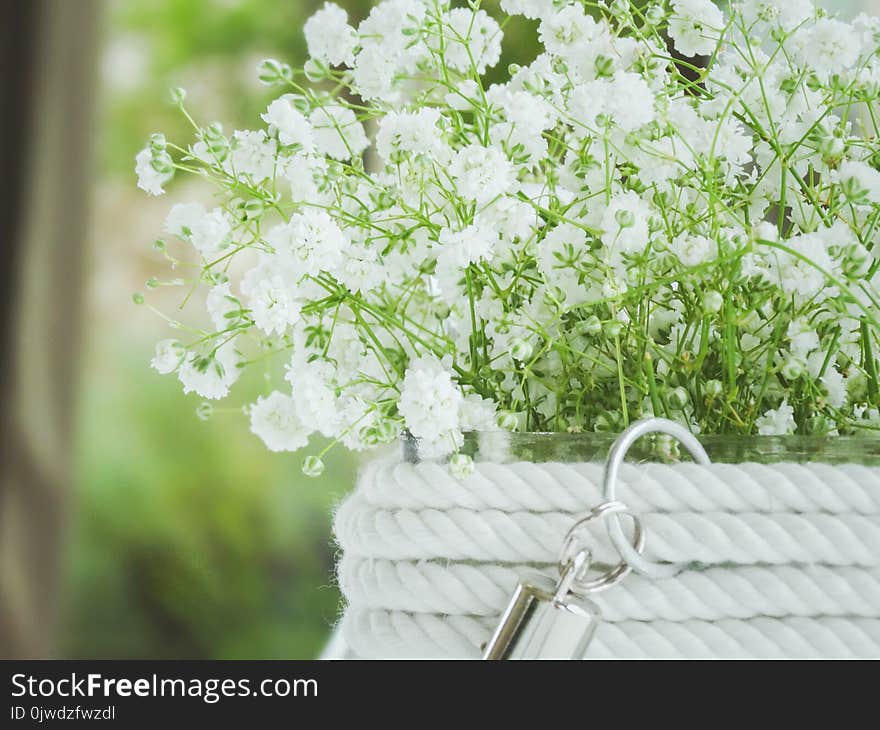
(412, 635)
(711, 595)
(558, 487)
(785, 558)
(712, 538)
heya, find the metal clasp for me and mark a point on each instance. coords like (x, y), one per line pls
(547, 620)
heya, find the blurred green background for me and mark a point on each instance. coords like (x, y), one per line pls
(189, 539)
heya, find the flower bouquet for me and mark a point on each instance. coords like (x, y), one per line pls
(672, 210)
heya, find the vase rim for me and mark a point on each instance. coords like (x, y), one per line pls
(545, 446)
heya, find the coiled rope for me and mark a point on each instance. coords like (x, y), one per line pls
(784, 559)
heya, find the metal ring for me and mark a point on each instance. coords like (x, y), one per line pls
(620, 570)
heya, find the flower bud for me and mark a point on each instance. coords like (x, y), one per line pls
(215, 140)
(654, 15)
(712, 301)
(613, 329)
(204, 411)
(312, 466)
(604, 66)
(178, 96)
(625, 218)
(520, 349)
(387, 431)
(254, 208)
(315, 70)
(678, 398)
(507, 421)
(792, 369)
(713, 388)
(157, 143)
(270, 72)
(619, 8)
(832, 149)
(852, 190)
(162, 163)
(461, 466)
(591, 326)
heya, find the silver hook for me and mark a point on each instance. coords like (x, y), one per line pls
(630, 555)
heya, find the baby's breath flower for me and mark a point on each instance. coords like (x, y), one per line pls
(169, 355)
(275, 421)
(777, 421)
(210, 374)
(289, 123)
(329, 37)
(591, 239)
(695, 26)
(153, 172)
(429, 400)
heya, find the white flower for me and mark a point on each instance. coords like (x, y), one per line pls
(787, 14)
(409, 133)
(212, 374)
(829, 46)
(626, 99)
(862, 177)
(290, 124)
(272, 301)
(512, 219)
(777, 422)
(803, 275)
(183, 218)
(562, 248)
(169, 355)
(390, 23)
(566, 31)
(473, 38)
(624, 223)
(375, 73)
(835, 387)
(207, 230)
(533, 9)
(311, 239)
(252, 155)
(361, 271)
(803, 338)
(222, 306)
(303, 173)
(338, 133)
(481, 173)
(529, 115)
(476, 413)
(429, 400)
(314, 395)
(274, 419)
(467, 246)
(149, 179)
(329, 37)
(694, 26)
(693, 250)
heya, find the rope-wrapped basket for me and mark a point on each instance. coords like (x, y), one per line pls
(783, 559)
